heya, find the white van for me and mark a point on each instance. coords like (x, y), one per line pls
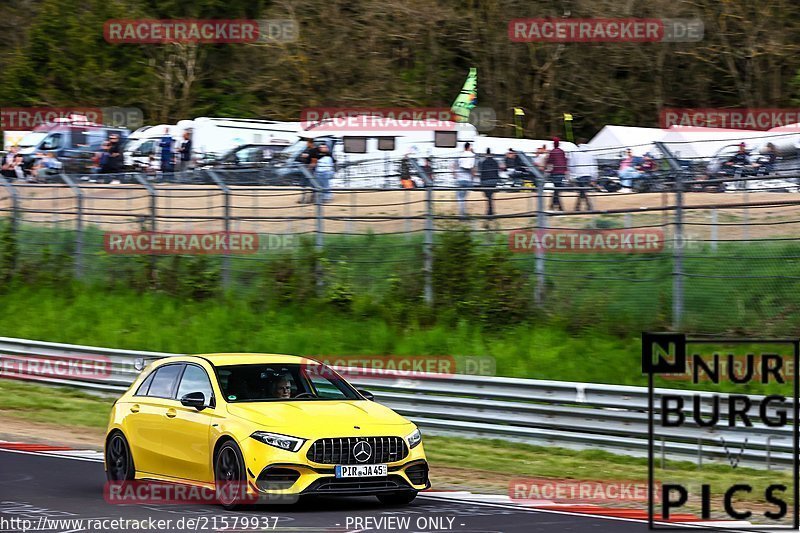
(142, 150)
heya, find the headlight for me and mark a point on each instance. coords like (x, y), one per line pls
(284, 442)
(414, 439)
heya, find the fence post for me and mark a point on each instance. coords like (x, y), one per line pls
(320, 224)
(153, 198)
(678, 239)
(78, 225)
(714, 230)
(226, 259)
(427, 245)
(541, 224)
(14, 195)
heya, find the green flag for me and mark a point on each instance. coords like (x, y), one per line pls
(468, 97)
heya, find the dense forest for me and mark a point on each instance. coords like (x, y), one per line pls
(402, 53)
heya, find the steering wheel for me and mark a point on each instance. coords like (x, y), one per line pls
(306, 395)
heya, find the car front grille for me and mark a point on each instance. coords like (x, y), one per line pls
(353, 450)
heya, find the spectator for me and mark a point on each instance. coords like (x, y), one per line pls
(489, 178)
(185, 151)
(466, 169)
(405, 170)
(18, 167)
(100, 159)
(739, 162)
(323, 172)
(557, 166)
(541, 157)
(8, 162)
(427, 168)
(510, 161)
(166, 151)
(627, 171)
(47, 164)
(767, 164)
(648, 166)
(583, 168)
(115, 163)
(308, 158)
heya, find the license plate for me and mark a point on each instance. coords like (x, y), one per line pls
(361, 471)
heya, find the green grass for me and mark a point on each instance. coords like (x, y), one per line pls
(55, 405)
(156, 322)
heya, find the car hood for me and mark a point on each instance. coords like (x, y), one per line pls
(309, 417)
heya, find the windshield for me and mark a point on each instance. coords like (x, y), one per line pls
(285, 382)
(32, 139)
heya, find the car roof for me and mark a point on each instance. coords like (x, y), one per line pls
(226, 359)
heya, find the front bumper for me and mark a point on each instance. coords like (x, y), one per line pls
(275, 472)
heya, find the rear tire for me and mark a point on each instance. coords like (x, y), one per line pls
(229, 475)
(397, 498)
(119, 461)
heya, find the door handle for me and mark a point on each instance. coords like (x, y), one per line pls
(171, 413)
(135, 408)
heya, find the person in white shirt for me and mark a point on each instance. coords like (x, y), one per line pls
(583, 166)
(323, 172)
(466, 168)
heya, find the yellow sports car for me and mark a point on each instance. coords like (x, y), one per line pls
(276, 425)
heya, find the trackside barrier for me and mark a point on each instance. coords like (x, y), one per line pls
(540, 412)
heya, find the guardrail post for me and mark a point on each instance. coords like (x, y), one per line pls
(699, 453)
(226, 259)
(427, 245)
(78, 225)
(678, 239)
(541, 225)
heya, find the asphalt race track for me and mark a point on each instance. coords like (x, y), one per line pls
(41, 488)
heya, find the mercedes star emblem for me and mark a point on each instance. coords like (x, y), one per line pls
(362, 451)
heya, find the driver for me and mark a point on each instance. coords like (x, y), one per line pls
(282, 388)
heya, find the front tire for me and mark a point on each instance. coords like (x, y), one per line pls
(229, 475)
(397, 498)
(119, 461)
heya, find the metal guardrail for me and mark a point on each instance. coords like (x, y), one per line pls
(612, 418)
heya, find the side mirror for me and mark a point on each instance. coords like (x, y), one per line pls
(194, 399)
(366, 394)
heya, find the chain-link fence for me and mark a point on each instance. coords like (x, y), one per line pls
(718, 261)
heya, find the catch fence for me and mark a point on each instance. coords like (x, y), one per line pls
(728, 256)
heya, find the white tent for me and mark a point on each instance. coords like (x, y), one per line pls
(689, 142)
(612, 141)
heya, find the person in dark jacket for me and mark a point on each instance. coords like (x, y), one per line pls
(557, 165)
(489, 173)
(114, 162)
(166, 151)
